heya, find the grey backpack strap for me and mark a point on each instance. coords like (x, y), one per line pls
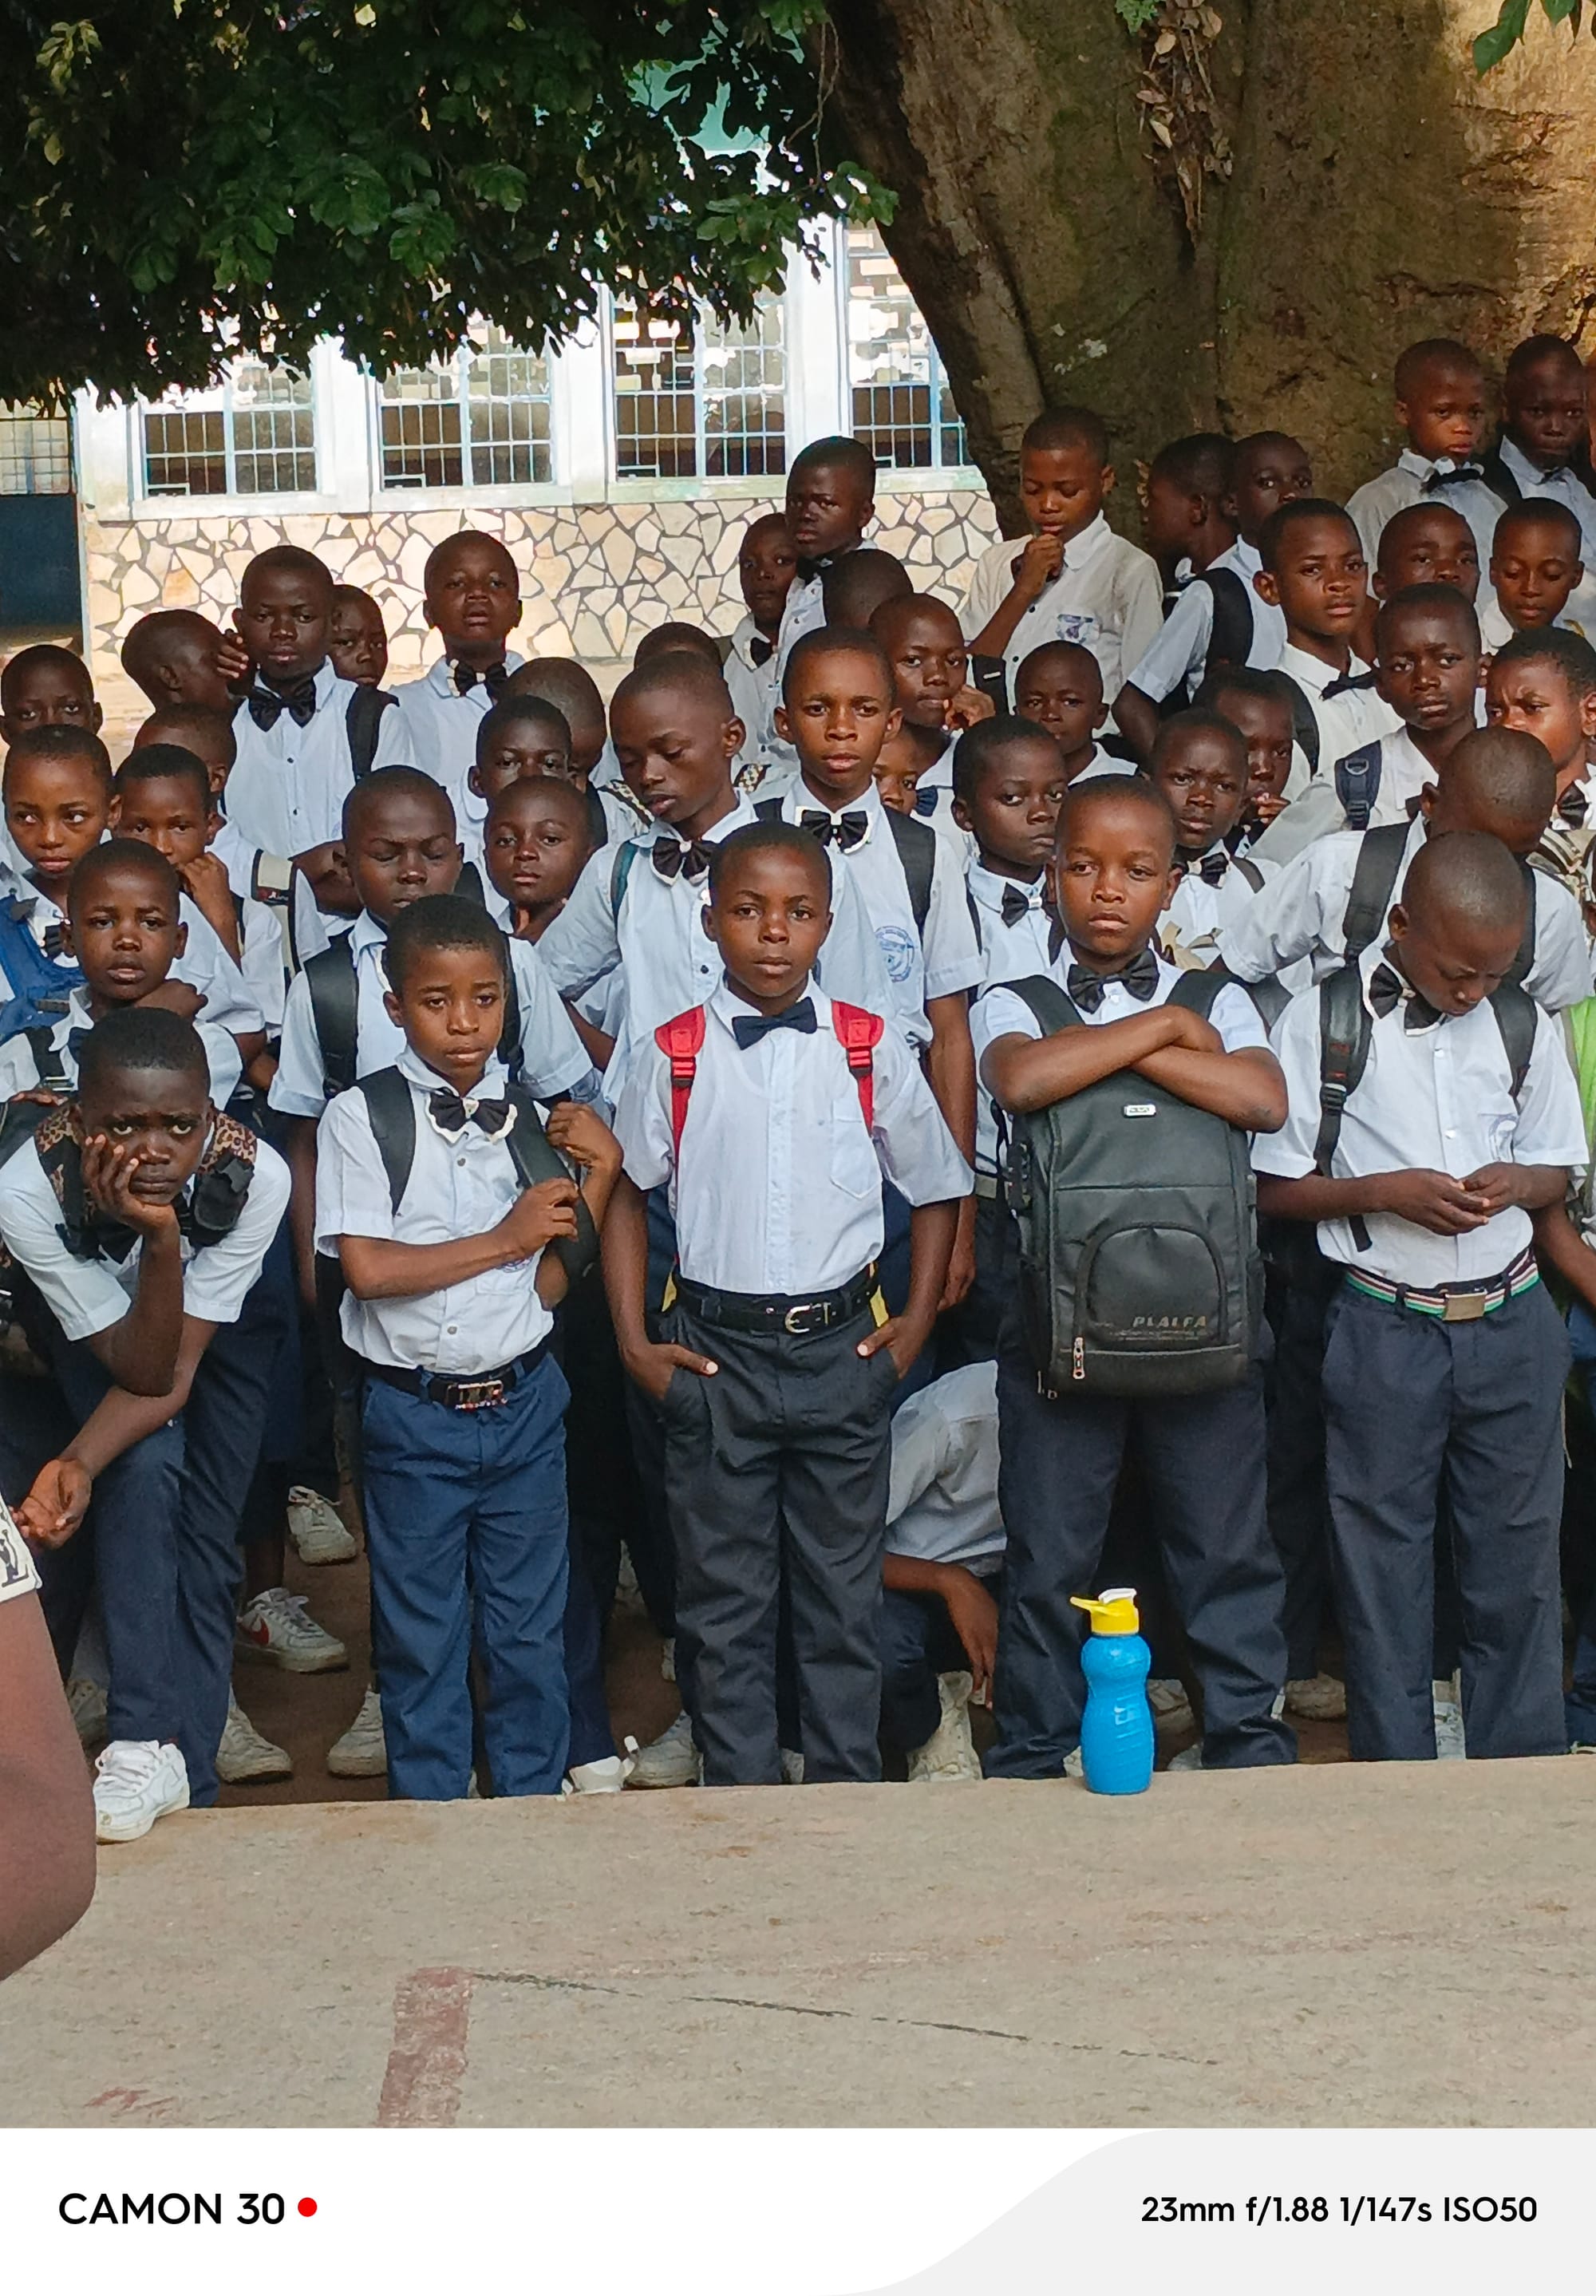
(916, 843)
(334, 1011)
(1373, 882)
(392, 1113)
(620, 869)
(1231, 640)
(1197, 990)
(1248, 871)
(1304, 726)
(1516, 1018)
(1045, 1000)
(535, 1160)
(1357, 783)
(1345, 1030)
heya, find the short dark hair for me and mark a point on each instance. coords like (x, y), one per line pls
(1532, 349)
(677, 638)
(1058, 427)
(1204, 463)
(1511, 773)
(768, 837)
(117, 853)
(1467, 873)
(520, 709)
(817, 643)
(854, 585)
(288, 558)
(165, 762)
(545, 787)
(442, 550)
(1233, 677)
(1195, 720)
(1571, 655)
(1539, 510)
(392, 781)
(154, 637)
(139, 1038)
(1053, 648)
(557, 678)
(45, 657)
(61, 741)
(837, 453)
(1116, 788)
(1436, 351)
(1431, 506)
(980, 749)
(194, 717)
(441, 920)
(1427, 598)
(675, 673)
(1278, 525)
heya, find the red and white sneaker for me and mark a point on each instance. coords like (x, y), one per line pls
(276, 1629)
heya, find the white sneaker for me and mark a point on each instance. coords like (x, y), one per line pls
(278, 1630)
(1190, 1758)
(792, 1767)
(1171, 1705)
(607, 1775)
(244, 1758)
(318, 1530)
(672, 1760)
(1317, 1698)
(949, 1752)
(362, 1752)
(137, 1781)
(86, 1700)
(1446, 1700)
(1075, 1763)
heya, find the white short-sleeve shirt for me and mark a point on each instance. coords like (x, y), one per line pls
(1178, 653)
(443, 723)
(1108, 598)
(286, 791)
(1012, 949)
(19, 1068)
(1378, 500)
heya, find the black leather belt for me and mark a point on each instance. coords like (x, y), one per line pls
(480, 1392)
(761, 1311)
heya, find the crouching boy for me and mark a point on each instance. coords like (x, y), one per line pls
(773, 1112)
(436, 1188)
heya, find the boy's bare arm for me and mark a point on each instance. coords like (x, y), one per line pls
(1247, 1087)
(625, 1245)
(588, 1142)
(1023, 1073)
(1137, 720)
(301, 1201)
(970, 1608)
(1433, 1201)
(932, 1228)
(46, 1812)
(1560, 1246)
(1039, 563)
(377, 1267)
(951, 1071)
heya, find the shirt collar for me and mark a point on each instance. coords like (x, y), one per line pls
(1243, 557)
(326, 681)
(440, 677)
(988, 888)
(801, 798)
(494, 1081)
(1420, 467)
(1060, 967)
(1082, 547)
(727, 1005)
(1530, 479)
(1315, 675)
(367, 932)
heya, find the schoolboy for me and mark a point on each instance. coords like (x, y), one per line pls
(1442, 403)
(854, 585)
(1073, 577)
(472, 594)
(520, 735)
(1543, 432)
(1495, 782)
(766, 564)
(1426, 542)
(896, 781)
(594, 763)
(1199, 767)
(450, 1289)
(1543, 683)
(1258, 704)
(207, 734)
(537, 841)
(1201, 1456)
(57, 791)
(141, 1220)
(1535, 569)
(1060, 688)
(1220, 615)
(1462, 1121)
(776, 1457)
(357, 636)
(1427, 671)
(47, 685)
(831, 500)
(1185, 525)
(175, 655)
(1314, 569)
(922, 642)
(302, 730)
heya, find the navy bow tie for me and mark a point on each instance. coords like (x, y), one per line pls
(750, 1028)
(1017, 903)
(673, 859)
(1387, 989)
(267, 705)
(760, 651)
(1350, 682)
(54, 942)
(1462, 475)
(1573, 804)
(450, 1113)
(1086, 989)
(466, 676)
(848, 829)
(925, 803)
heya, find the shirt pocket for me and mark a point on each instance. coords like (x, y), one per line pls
(854, 1167)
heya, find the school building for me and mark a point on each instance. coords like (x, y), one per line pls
(620, 470)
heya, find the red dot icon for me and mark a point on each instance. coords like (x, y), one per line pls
(307, 2208)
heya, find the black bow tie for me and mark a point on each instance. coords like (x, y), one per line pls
(749, 1028)
(1211, 867)
(466, 675)
(673, 859)
(848, 829)
(1086, 989)
(760, 651)
(450, 1113)
(267, 705)
(76, 1040)
(55, 943)
(1464, 474)
(1350, 682)
(1573, 804)
(1017, 903)
(1387, 989)
(809, 568)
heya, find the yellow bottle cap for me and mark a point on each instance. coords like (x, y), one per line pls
(1114, 1612)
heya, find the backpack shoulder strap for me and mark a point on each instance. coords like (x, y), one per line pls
(534, 1161)
(1344, 1032)
(681, 1040)
(1523, 964)
(1357, 783)
(510, 1051)
(1046, 1003)
(1198, 990)
(1499, 477)
(1369, 899)
(1516, 1018)
(392, 1113)
(916, 843)
(1230, 641)
(48, 1063)
(468, 885)
(1304, 726)
(1248, 871)
(859, 1033)
(620, 869)
(334, 1011)
(363, 721)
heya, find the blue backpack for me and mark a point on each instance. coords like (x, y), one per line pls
(39, 989)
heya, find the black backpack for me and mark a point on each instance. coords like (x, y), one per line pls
(916, 843)
(1357, 783)
(1373, 885)
(20, 1119)
(363, 721)
(391, 1108)
(1139, 1267)
(1231, 639)
(335, 1012)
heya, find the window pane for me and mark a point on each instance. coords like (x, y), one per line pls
(273, 432)
(745, 391)
(36, 452)
(421, 428)
(185, 451)
(655, 412)
(903, 408)
(507, 393)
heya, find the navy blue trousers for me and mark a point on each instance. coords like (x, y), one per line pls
(1417, 1413)
(465, 1513)
(1202, 1461)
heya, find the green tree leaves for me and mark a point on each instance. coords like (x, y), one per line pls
(1505, 34)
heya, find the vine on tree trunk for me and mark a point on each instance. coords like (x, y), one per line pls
(1186, 135)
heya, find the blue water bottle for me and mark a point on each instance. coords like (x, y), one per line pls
(1117, 1729)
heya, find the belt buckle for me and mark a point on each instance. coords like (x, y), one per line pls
(477, 1394)
(797, 1324)
(1463, 1306)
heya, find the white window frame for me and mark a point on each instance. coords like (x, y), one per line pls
(910, 477)
(686, 486)
(146, 504)
(385, 496)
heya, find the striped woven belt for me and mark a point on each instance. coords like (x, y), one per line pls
(1452, 1303)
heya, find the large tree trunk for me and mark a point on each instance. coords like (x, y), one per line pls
(1377, 193)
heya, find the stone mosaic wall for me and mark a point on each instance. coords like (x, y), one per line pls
(595, 576)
